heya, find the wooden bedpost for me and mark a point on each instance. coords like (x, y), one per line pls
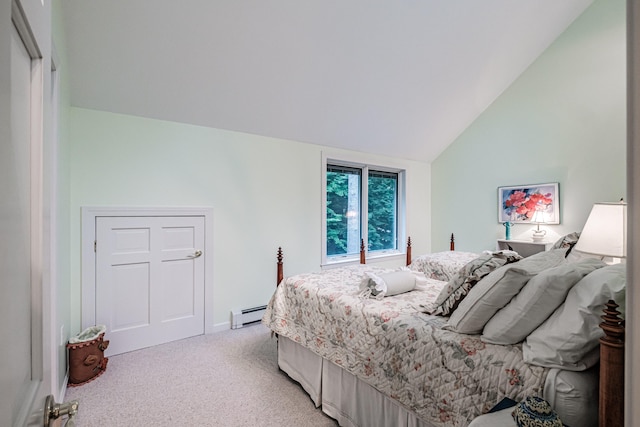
(280, 270)
(452, 246)
(611, 405)
(409, 250)
(362, 257)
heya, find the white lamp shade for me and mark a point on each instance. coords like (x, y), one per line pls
(605, 232)
(538, 217)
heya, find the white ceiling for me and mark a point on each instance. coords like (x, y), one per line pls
(395, 77)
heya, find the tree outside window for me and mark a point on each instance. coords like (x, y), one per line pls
(347, 214)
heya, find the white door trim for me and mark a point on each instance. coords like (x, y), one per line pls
(88, 261)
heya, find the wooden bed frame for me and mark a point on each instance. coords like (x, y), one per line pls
(611, 389)
(363, 260)
(611, 396)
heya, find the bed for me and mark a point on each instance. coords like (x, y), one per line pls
(386, 361)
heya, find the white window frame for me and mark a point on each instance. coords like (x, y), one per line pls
(374, 256)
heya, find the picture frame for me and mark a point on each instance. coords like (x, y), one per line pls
(517, 204)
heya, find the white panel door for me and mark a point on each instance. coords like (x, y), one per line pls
(149, 280)
(23, 382)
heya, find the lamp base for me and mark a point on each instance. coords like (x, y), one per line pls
(538, 235)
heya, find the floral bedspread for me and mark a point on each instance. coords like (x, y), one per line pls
(442, 265)
(446, 378)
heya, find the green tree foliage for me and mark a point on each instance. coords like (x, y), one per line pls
(337, 202)
(382, 212)
(381, 217)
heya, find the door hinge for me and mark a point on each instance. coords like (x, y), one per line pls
(95, 245)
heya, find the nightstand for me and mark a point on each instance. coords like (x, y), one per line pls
(524, 247)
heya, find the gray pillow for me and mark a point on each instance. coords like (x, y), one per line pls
(460, 285)
(494, 291)
(568, 241)
(569, 338)
(536, 302)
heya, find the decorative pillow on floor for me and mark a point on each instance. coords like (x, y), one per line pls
(466, 278)
(535, 412)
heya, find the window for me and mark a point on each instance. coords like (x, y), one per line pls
(383, 210)
(362, 202)
(344, 199)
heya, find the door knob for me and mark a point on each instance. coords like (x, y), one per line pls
(53, 411)
(196, 254)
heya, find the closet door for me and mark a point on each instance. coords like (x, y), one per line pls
(149, 280)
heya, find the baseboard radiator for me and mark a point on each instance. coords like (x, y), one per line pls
(240, 318)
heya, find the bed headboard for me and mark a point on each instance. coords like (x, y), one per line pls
(363, 257)
(363, 260)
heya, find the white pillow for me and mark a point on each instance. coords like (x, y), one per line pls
(536, 302)
(387, 284)
(458, 287)
(569, 338)
(496, 289)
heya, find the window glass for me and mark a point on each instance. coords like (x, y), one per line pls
(382, 210)
(343, 217)
(362, 203)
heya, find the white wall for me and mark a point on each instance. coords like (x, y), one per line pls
(61, 209)
(563, 120)
(265, 193)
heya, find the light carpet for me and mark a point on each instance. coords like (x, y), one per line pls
(229, 379)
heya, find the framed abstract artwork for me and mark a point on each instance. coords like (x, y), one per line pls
(519, 204)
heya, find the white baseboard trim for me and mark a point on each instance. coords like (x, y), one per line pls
(65, 383)
(219, 327)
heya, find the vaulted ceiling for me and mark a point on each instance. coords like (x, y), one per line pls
(401, 78)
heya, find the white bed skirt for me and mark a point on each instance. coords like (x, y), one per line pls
(341, 395)
(354, 403)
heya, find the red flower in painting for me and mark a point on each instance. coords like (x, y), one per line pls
(516, 199)
(524, 203)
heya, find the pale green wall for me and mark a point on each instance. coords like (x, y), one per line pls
(62, 207)
(265, 193)
(563, 120)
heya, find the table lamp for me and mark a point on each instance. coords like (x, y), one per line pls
(538, 218)
(605, 231)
